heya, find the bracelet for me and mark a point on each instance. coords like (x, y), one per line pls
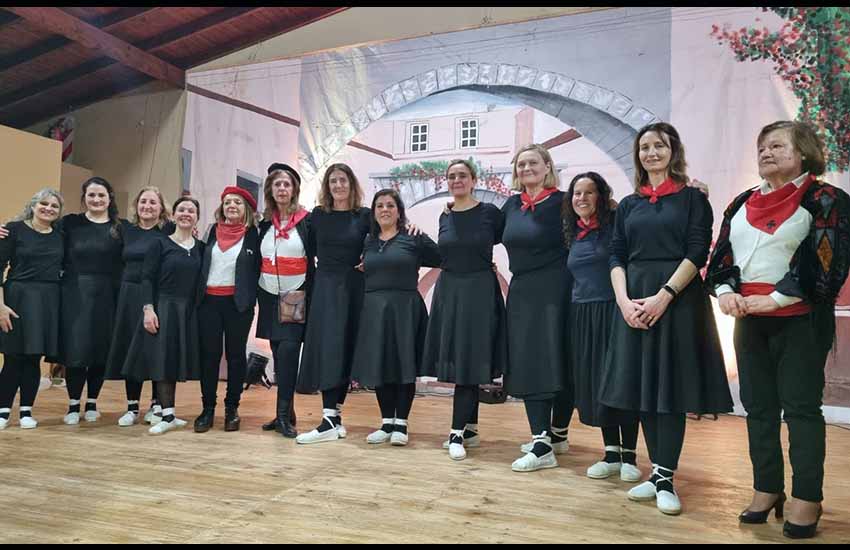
(670, 289)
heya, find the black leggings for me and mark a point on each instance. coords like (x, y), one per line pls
(539, 412)
(166, 392)
(334, 397)
(19, 371)
(624, 435)
(220, 319)
(77, 379)
(664, 435)
(396, 400)
(134, 390)
(465, 409)
(287, 354)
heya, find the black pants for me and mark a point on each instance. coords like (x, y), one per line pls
(781, 368)
(287, 355)
(396, 400)
(664, 435)
(547, 410)
(19, 371)
(77, 379)
(219, 319)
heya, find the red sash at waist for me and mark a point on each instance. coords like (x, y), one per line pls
(285, 266)
(764, 289)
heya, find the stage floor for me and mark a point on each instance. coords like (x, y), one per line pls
(98, 483)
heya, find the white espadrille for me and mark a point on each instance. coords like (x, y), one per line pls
(315, 436)
(28, 423)
(531, 462)
(630, 473)
(378, 436)
(128, 419)
(71, 419)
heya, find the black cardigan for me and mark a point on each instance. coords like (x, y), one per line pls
(247, 269)
(304, 228)
(821, 263)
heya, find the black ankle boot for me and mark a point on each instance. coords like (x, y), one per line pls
(292, 418)
(204, 422)
(231, 419)
(284, 424)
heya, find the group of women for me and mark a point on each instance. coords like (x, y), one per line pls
(606, 310)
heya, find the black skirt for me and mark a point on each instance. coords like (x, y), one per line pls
(128, 315)
(332, 321)
(590, 332)
(88, 320)
(171, 355)
(537, 322)
(391, 338)
(36, 331)
(465, 341)
(268, 326)
(677, 365)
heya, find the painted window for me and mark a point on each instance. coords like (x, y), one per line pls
(418, 138)
(468, 133)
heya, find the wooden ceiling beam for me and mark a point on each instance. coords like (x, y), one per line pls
(59, 22)
(207, 22)
(103, 22)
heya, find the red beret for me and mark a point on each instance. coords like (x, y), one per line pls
(244, 193)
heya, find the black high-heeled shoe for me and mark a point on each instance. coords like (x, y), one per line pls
(794, 531)
(751, 517)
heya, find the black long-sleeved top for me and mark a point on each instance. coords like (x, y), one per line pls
(588, 265)
(677, 227)
(466, 238)
(136, 244)
(171, 270)
(534, 240)
(394, 264)
(90, 248)
(336, 238)
(32, 256)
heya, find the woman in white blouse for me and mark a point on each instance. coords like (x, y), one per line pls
(287, 267)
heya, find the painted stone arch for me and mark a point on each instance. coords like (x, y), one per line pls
(608, 118)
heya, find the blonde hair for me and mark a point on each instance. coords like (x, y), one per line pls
(248, 220)
(268, 192)
(163, 215)
(551, 180)
(29, 210)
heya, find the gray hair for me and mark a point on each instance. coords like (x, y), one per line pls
(29, 209)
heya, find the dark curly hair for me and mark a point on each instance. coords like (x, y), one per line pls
(603, 205)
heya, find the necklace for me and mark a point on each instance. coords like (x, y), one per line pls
(32, 226)
(383, 244)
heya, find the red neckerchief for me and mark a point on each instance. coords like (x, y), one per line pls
(667, 187)
(527, 202)
(294, 219)
(767, 212)
(227, 235)
(587, 227)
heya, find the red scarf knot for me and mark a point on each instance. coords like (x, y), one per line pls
(586, 228)
(667, 187)
(294, 220)
(768, 212)
(529, 203)
(227, 235)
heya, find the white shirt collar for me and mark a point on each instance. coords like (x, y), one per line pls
(765, 187)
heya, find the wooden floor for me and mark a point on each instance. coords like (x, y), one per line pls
(99, 483)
